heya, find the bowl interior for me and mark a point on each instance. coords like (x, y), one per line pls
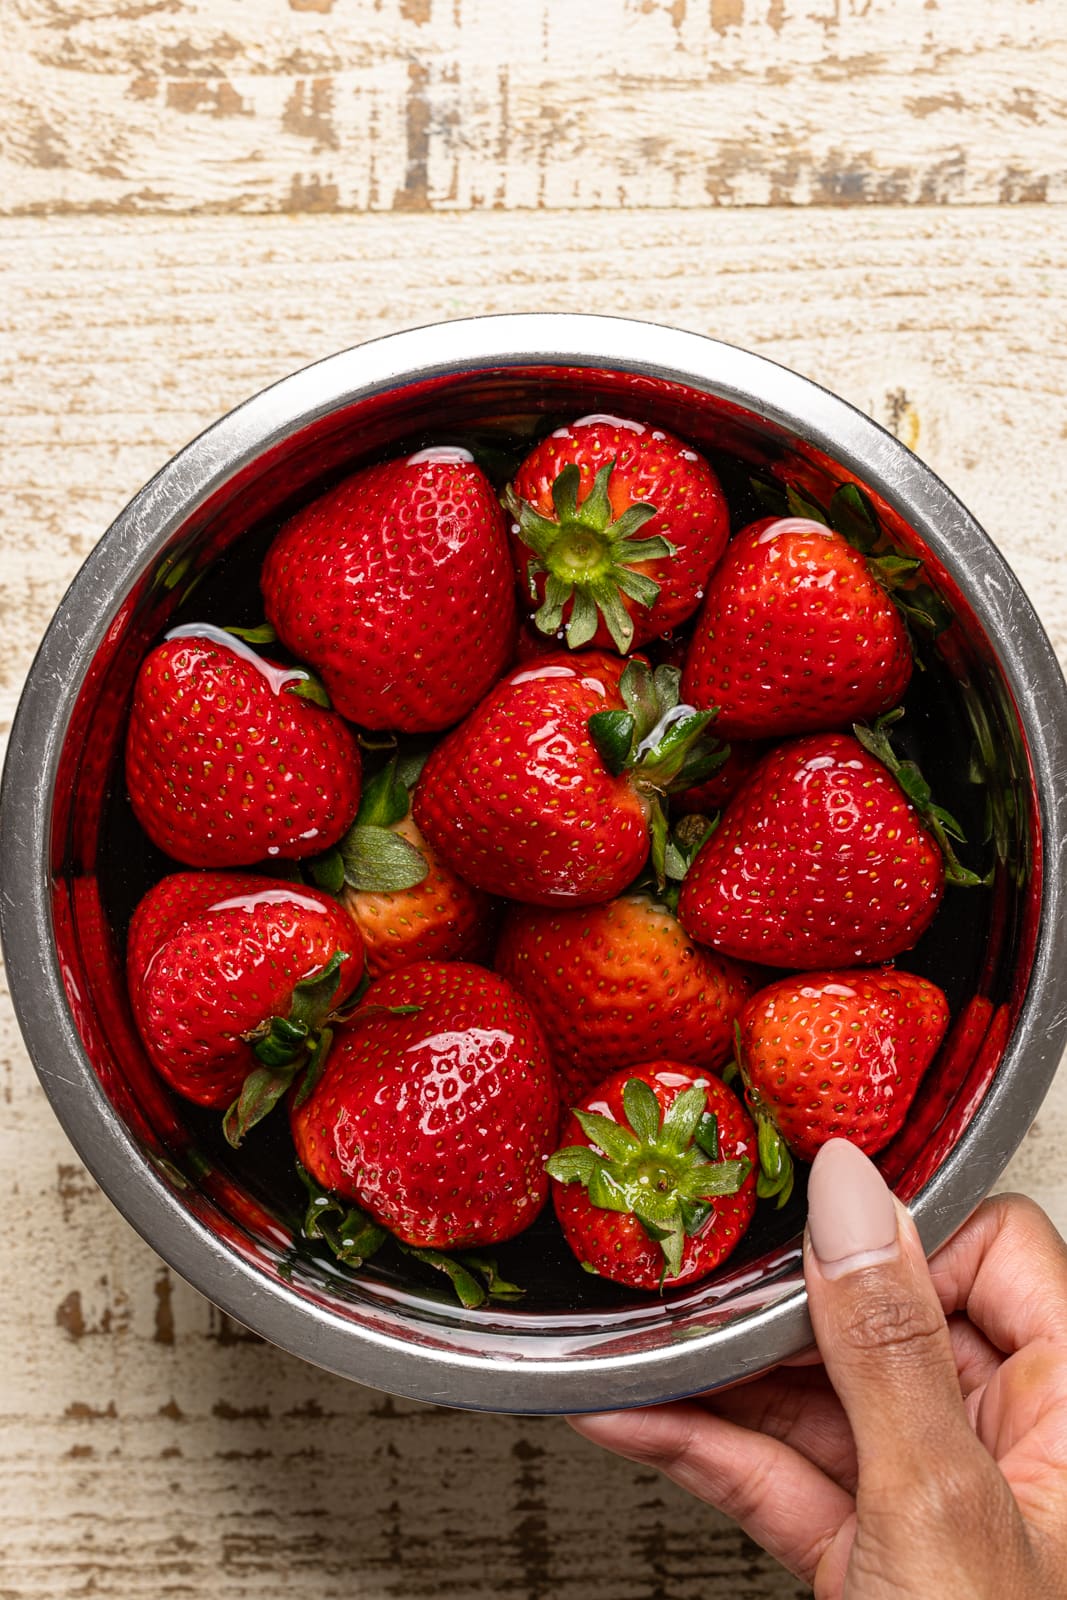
(961, 726)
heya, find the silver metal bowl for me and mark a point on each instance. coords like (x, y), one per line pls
(989, 718)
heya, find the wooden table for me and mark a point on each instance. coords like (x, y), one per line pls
(200, 196)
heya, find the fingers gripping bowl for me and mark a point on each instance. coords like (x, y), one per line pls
(986, 719)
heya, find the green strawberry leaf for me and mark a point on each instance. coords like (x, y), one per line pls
(675, 866)
(498, 1288)
(722, 1178)
(605, 1191)
(642, 1109)
(279, 1042)
(612, 732)
(657, 828)
(313, 997)
(308, 687)
(683, 1119)
(707, 1135)
(469, 1291)
(313, 1070)
(646, 696)
(638, 585)
(260, 1093)
(573, 1164)
(695, 1214)
(604, 596)
(264, 634)
(941, 823)
(327, 871)
(670, 1236)
(584, 622)
(852, 515)
(894, 566)
(385, 799)
(776, 1174)
(799, 506)
(380, 862)
(770, 495)
(565, 492)
(409, 765)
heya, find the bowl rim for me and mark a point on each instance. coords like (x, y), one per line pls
(526, 1382)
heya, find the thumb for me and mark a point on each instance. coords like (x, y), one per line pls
(878, 1321)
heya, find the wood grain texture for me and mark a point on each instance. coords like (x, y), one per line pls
(138, 106)
(148, 1446)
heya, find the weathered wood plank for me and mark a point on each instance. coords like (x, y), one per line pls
(148, 1446)
(412, 105)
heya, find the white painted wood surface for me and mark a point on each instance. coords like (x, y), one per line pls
(148, 1447)
(355, 105)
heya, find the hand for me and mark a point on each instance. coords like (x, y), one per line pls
(925, 1459)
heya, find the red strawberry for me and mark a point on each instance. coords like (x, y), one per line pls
(546, 793)
(227, 762)
(406, 902)
(617, 526)
(656, 1181)
(397, 587)
(839, 1054)
(819, 860)
(436, 1109)
(615, 983)
(232, 979)
(795, 634)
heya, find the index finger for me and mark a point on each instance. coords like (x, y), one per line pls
(1007, 1269)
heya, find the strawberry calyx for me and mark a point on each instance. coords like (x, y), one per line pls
(474, 1278)
(589, 558)
(683, 843)
(663, 1170)
(776, 1175)
(942, 824)
(285, 1046)
(371, 857)
(662, 743)
(352, 1237)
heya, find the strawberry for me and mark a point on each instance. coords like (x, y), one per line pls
(617, 982)
(616, 528)
(821, 858)
(796, 634)
(656, 1183)
(436, 1109)
(397, 587)
(406, 902)
(230, 760)
(837, 1055)
(232, 980)
(547, 792)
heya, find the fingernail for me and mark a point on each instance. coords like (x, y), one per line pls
(852, 1219)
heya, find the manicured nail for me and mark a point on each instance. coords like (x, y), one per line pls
(852, 1218)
